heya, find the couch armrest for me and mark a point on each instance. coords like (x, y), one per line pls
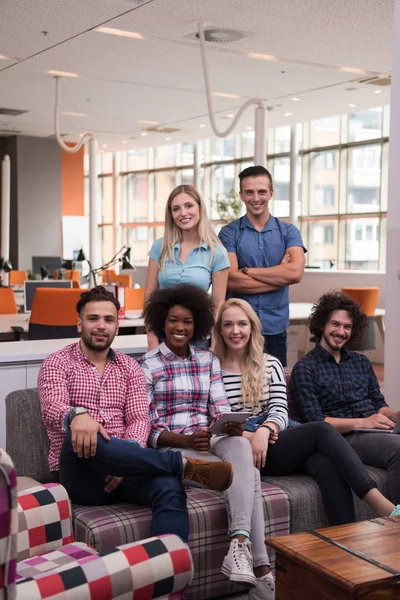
(44, 520)
(158, 567)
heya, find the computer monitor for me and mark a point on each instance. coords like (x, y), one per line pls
(30, 288)
(51, 263)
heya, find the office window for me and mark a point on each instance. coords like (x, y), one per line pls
(134, 197)
(362, 247)
(136, 160)
(282, 139)
(324, 183)
(364, 179)
(365, 125)
(280, 171)
(321, 241)
(165, 156)
(185, 154)
(223, 148)
(164, 184)
(248, 143)
(325, 132)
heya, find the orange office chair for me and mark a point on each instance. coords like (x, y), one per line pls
(18, 277)
(72, 274)
(8, 306)
(134, 298)
(125, 280)
(367, 297)
(53, 314)
(108, 276)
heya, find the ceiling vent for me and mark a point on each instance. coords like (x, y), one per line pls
(10, 131)
(162, 130)
(218, 35)
(53, 136)
(12, 112)
(382, 80)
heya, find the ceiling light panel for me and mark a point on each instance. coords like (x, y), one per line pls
(120, 32)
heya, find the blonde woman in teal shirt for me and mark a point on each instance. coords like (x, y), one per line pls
(190, 251)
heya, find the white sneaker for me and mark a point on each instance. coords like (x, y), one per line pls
(238, 564)
(265, 588)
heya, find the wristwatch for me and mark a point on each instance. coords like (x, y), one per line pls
(244, 270)
(269, 429)
(78, 410)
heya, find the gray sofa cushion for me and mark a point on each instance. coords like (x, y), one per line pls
(27, 441)
(306, 507)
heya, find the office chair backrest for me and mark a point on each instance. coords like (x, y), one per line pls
(134, 298)
(108, 276)
(18, 277)
(8, 305)
(367, 297)
(69, 274)
(53, 314)
(125, 280)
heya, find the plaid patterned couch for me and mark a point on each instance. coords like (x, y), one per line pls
(39, 558)
(291, 504)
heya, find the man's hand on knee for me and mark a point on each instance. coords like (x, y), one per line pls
(112, 482)
(84, 432)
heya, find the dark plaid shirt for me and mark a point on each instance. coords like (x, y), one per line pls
(322, 388)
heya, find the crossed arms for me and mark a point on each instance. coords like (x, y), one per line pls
(267, 279)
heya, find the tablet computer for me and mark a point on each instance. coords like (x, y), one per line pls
(230, 417)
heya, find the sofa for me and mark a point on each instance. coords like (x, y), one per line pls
(40, 559)
(291, 504)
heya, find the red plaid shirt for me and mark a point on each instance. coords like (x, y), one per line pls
(117, 400)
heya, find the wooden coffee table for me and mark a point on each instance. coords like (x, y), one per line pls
(358, 560)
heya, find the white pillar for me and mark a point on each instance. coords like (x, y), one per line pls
(260, 138)
(294, 183)
(392, 285)
(93, 218)
(116, 202)
(5, 212)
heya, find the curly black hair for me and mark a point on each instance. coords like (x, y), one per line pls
(96, 294)
(331, 301)
(190, 296)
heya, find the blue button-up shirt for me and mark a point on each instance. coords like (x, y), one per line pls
(322, 388)
(264, 248)
(197, 270)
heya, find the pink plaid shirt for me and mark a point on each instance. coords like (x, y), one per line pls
(117, 400)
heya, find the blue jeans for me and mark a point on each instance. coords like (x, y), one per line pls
(151, 478)
(277, 346)
(253, 423)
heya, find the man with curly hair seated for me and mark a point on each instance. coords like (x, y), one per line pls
(335, 384)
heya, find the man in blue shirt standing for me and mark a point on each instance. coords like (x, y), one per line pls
(266, 255)
(339, 386)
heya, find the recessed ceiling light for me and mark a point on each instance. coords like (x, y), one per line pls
(202, 125)
(74, 114)
(377, 91)
(145, 122)
(120, 32)
(225, 95)
(352, 105)
(81, 135)
(288, 114)
(62, 74)
(2, 57)
(230, 116)
(296, 99)
(167, 139)
(351, 70)
(261, 56)
(143, 133)
(104, 145)
(249, 128)
(124, 141)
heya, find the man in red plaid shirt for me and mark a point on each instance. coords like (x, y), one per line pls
(94, 406)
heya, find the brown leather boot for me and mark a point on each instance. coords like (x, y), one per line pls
(210, 474)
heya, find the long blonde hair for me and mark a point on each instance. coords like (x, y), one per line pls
(253, 367)
(173, 234)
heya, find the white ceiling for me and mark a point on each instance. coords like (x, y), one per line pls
(159, 78)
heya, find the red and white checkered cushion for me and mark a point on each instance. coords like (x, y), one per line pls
(44, 520)
(159, 567)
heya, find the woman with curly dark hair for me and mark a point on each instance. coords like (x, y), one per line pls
(186, 394)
